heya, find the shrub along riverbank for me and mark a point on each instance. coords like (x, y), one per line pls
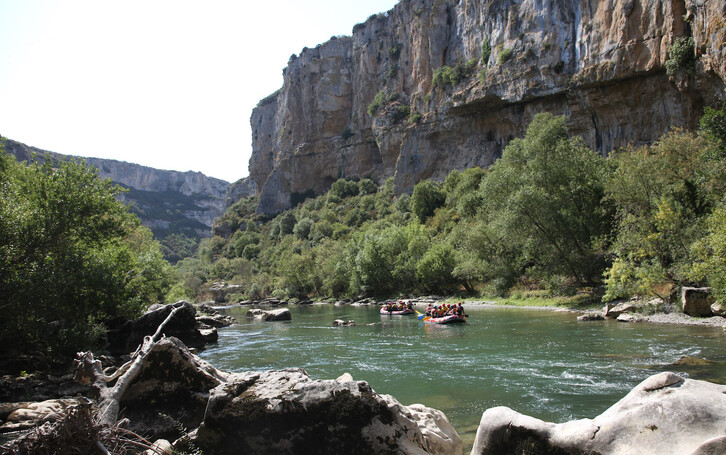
(550, 216)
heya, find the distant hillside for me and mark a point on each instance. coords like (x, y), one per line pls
(179, 207)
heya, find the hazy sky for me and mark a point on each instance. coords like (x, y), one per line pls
(164, 83)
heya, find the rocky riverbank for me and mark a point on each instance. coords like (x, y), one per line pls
(285, 411)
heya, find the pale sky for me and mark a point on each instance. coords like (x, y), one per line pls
(164, 83)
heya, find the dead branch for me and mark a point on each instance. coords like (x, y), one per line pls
(90, 370)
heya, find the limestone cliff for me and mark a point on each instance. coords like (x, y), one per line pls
(166, 201)
(601, 63)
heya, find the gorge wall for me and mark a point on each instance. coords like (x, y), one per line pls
(601, 63)
(166, 201)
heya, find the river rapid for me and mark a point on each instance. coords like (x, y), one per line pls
(542, 363)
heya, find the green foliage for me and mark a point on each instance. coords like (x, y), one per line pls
(709, 254)
(392, 71)
(395, 51)
(681, 57)
(448, 75)
(713, 125)
(302, 228)
(486, 51)
(343, 188)
(378, 102)
(544, 196)
(367, 186)
(287, 223)
(71, 257)
(426, 198)
(662, 194)
(414, 118)
(400, 112)
(504, 55)
(548, 217)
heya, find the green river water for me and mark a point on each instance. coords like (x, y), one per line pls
(541, 363)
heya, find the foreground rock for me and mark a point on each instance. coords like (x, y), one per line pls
(665, 414)
(282, 314)
(285, 412)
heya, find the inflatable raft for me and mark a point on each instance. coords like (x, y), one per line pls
(397, 312)
(450, 319)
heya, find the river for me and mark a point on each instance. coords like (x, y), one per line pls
(541, 363)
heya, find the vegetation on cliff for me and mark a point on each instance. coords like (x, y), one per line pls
(551, 214)
(71, 257)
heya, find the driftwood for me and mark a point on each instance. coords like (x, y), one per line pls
(89, 370)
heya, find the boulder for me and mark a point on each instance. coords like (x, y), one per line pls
(160, 447)
(626, 317)
(620, 308)
(172, 388)
(718, 309)
(209, 334)
(697, 301)
(342, 323)
(285, 412)
(220, 291)
(29, 415)
(216, 320)
(282, 314)
(591, 317)
(665, 414)
(124, 337)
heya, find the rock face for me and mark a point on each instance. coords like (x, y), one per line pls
(697, 301)
(665, 414)
(164, 200)
(599, 62)
(285, 412)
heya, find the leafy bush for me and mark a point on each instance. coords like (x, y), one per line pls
(486, 51)
(378, 101)
(426, 198)
(681, 56)
(505, 55)
(401, 112)
(71, 257)
(414, 118)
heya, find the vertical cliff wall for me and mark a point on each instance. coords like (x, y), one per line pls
(601, 63)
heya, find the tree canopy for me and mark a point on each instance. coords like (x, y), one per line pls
(71, 257)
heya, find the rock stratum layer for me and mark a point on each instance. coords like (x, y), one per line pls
(601, 63)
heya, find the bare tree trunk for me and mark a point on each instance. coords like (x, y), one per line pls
(90, 370)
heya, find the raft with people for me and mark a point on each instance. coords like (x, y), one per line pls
(399, 308)
(443, 314)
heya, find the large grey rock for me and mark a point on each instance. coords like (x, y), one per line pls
(665, 414)
(285, 412)
(125, 336)
(174, 383)
(282, 314)
(618, 309)
(697, 301)
(719, 309)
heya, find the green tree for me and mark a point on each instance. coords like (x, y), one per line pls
(544, 194)
(71, 257)
(662, 194)
(426, 198)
